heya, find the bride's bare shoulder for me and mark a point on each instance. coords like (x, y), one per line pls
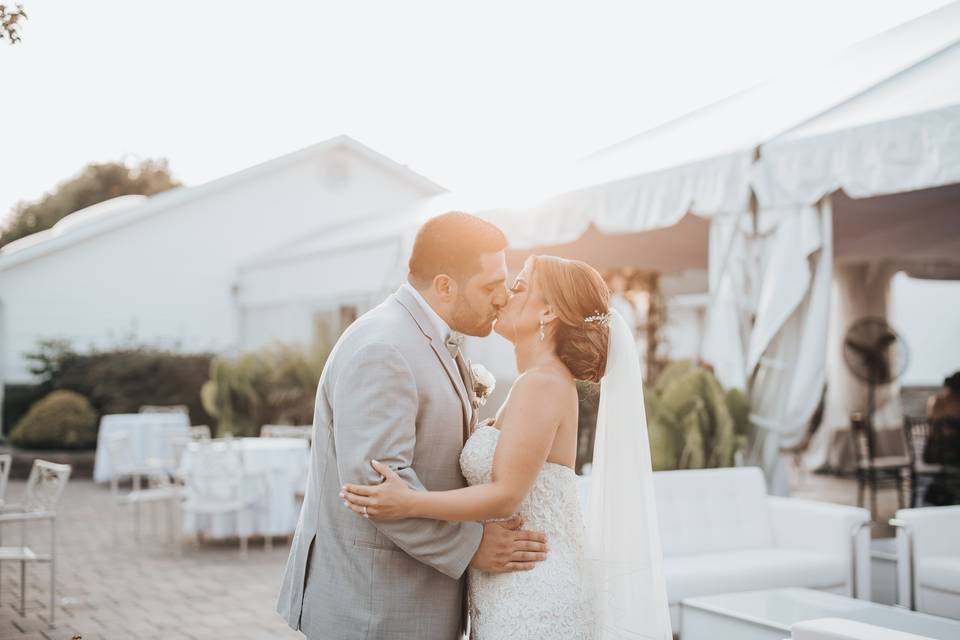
(543, 382)
(539, 401)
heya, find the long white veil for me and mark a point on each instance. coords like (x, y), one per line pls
(623, 552)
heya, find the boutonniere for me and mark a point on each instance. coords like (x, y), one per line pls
(483, 383)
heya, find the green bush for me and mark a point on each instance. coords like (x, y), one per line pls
(693, 422)
(61, 420)
(739, 407)
(17, 400)
(275, 385)
(123, 380)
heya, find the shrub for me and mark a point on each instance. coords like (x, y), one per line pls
(17, 400)
(693, 422)
(275, 385)
(61, 420)
(123, 380)
(739, 407)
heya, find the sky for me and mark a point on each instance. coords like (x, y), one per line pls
(465, 93)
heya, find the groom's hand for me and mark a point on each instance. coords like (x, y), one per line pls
(505, 548)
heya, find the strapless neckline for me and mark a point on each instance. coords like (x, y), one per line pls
(545, 464)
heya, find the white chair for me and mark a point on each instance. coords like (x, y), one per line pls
(928, 559)
(44, 488)
(6, 461)
(165, 408)
(200, 432)
(721, 533)
(286, 431)
(159, 489)
(217, 484)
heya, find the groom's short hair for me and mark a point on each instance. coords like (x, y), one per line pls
(452, 244)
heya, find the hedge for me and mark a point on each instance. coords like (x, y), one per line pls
(116, 381)
(61, 420)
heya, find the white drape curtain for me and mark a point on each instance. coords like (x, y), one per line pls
(727, 328)
(787, 354)
(767, 323)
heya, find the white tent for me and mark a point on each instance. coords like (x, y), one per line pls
(892, 157)
(881, 118)
(829, 165)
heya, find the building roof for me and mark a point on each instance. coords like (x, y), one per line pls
(118, 212)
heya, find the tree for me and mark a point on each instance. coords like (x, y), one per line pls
(9, 19)
(95, 183)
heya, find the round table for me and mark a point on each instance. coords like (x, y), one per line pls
(280, 464)
(151, 437)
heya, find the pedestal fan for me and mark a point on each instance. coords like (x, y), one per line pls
(875, 354)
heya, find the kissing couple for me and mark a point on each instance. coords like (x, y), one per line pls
(418, 523)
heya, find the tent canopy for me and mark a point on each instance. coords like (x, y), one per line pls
(704, 163)
(680, 247)
(887, 108)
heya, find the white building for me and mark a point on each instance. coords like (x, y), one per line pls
(168, 270)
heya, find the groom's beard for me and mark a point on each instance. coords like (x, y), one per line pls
(471, 322)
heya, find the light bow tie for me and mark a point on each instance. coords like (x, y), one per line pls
(454, 343)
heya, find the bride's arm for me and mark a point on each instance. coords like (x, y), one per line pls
(528, 425)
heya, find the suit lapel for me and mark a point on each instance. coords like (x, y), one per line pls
(413, 307)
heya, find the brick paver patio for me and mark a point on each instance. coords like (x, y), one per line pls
(144, 591)
(147, 591)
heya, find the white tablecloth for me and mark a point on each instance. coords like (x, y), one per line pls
(151, 435)
(282, 463)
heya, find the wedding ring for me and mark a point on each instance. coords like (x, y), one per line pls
(365, 514)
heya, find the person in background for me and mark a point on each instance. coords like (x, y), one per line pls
(943, 444)
(946, 402)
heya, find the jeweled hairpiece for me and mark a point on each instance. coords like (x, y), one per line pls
(603, 319)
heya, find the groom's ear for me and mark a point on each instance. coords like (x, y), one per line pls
(444, 287)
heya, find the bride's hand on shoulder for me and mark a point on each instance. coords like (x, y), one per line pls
(392, 499)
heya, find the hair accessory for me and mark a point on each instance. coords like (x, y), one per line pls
(603, 319)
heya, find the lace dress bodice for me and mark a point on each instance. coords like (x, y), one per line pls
(549, 601)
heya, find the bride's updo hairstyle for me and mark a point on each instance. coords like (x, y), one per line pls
(579, 297)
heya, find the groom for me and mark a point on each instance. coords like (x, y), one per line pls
(396, 389)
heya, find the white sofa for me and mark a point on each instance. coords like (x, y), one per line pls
(839, 629)
(935, 558)
(722, 533)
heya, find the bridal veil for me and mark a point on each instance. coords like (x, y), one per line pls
(623, 552)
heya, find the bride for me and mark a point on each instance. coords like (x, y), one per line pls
(601, 581)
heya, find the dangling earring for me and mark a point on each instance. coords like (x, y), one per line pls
(541, 330)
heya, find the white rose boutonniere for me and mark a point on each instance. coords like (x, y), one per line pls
(483, 383)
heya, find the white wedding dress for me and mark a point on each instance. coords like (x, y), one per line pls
(552, 600)
(599, 582)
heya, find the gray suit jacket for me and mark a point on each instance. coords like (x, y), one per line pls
(390, 391)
